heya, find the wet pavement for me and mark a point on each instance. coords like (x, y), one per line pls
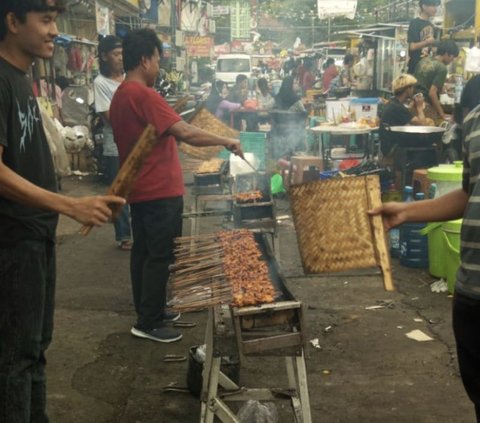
(366, 369)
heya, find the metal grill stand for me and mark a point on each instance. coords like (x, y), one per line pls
(244, 340)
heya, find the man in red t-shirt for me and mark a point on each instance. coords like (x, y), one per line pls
(156, 201)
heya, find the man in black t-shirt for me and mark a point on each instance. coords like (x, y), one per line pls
(421, 34)
(29, 208)
(396, 113)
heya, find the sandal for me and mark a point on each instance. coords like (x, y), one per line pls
(125, 245)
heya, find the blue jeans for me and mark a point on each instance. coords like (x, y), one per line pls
(122, 223)
(27, 283)
(155, 225)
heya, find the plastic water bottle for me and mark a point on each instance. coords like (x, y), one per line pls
(394, 233)
(413, 245)
(408, 194)
(458, 88)
(432, 191)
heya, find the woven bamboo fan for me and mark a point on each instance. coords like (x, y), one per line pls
(208, 122)
(334, 231)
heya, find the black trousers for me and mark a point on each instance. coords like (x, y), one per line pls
(466, 323)
(155, 224)
(27, 291)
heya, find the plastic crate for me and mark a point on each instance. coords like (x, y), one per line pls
(252, 142)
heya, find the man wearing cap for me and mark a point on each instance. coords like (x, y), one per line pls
(105, 84)
(420, 35)
(397, 114)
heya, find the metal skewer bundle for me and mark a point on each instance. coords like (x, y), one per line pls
(221, 268)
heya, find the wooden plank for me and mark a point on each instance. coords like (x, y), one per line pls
(123, 182)
(271, 343)
(266, 308)
(280, 318)
(258, 394)
(381, 251)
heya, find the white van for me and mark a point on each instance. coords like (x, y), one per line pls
(230, 65)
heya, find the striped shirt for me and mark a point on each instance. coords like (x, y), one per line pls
(468, 276)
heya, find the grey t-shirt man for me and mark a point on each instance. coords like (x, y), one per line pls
(104, 89)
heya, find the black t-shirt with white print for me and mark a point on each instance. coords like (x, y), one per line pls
(418, 30)
(26, 152)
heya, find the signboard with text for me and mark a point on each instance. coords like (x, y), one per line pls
(336, 8)
(198, 46)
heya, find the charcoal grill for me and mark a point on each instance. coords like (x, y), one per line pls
(258, 214)
(215, 183)
(275, 329)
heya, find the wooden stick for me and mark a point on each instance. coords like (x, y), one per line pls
(176, 284)
(193, 258)
(380, 242)
(185, 239)
(226, 296)
(123, 182)
(187, 273)
(201, 266)
(205, 293)
(202, 255)
(213, 284)
(188, 251)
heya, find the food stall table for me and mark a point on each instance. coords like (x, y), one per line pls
(348, 129)
(416, 147)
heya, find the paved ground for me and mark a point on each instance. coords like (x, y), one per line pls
(366, 371)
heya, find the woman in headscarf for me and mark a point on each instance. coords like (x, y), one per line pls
(287, 99)
(217, 104)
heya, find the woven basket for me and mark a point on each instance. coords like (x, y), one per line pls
(333, 228)
(207, 121)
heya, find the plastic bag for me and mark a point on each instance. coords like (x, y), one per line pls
(256, 412)
(276, 183)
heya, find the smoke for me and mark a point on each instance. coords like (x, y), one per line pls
(288, 133)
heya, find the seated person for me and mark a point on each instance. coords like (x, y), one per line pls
(217, 103)
(287, 99)
(396, 112)
(265, 99)
(239, 92)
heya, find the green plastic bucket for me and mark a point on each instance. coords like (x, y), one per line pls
(451, 236)
(447, 177)
(436, 249)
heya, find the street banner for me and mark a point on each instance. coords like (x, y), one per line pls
(336, 8)
(198, 46)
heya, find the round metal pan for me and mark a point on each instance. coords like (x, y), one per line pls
(411, 129)
(413, 136)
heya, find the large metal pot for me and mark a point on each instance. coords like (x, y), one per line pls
(412, 136)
